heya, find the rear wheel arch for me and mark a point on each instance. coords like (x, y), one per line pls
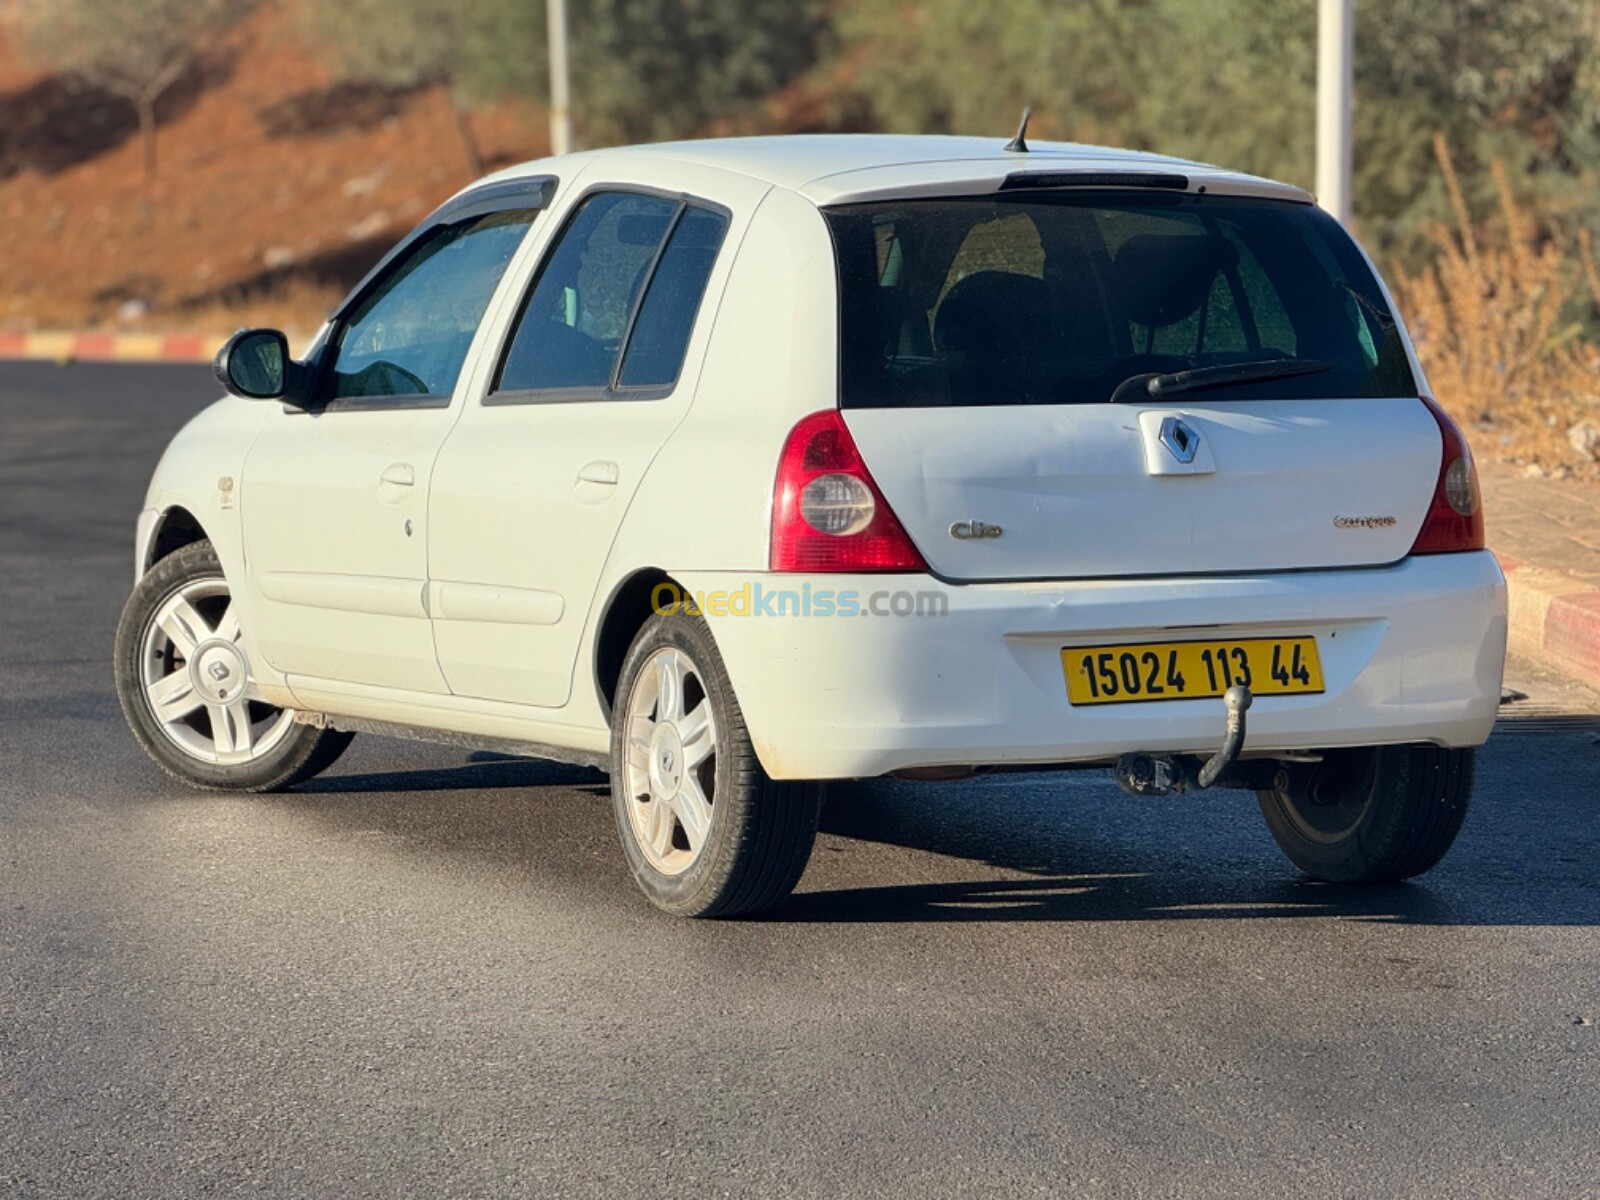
(630, 606)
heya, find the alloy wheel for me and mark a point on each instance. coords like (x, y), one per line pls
(196, 678)
(671, 770)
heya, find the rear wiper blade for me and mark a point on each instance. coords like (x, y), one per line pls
(1154, 387)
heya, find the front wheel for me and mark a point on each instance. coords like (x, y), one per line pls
(705, 831)
(1374, 815)
(185, 685)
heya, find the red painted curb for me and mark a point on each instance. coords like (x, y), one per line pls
(1555, 622)
(1572, 634)
(104, 346)
(191, 346)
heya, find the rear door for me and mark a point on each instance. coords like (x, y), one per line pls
(983, 340)
(596, 370)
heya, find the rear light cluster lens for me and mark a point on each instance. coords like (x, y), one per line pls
(1461, 486)
(837, 504)
(827, 514)
(1455, 517)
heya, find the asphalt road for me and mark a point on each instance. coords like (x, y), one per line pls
(428, 973)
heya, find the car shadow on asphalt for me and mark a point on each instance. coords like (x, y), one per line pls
(486, 770)
(1070, 848)
(1077, 864)
(1085, 853)
(1132, 896)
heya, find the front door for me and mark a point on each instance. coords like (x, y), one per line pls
(533, 482)
(334, 500)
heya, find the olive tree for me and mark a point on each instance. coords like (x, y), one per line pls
(652, 69)
(136, 49)
(474, 49)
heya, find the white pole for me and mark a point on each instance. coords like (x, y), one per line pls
(560, 89)
(1335, 73)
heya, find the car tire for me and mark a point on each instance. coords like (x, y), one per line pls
(185, 686)
(1374, 815)
(706, 833)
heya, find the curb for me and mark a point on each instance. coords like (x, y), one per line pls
(1554, 620)
(110, 347)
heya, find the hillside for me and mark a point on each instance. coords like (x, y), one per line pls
(278, 187)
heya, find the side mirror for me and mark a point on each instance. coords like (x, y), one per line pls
(254, 364)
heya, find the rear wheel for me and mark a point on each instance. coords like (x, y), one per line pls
(1373, 815)
(185, 685)
(705, 831)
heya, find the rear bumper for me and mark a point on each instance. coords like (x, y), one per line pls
(1410, 653)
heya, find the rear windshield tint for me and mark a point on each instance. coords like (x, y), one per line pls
(1047, 298)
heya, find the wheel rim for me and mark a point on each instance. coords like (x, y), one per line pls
(671, 770)
(1331, 805)
(196, 679)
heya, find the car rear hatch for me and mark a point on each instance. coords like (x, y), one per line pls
(1064, 382)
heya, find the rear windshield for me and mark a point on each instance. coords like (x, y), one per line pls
(1059, 298)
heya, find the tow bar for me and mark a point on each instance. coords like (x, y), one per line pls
(1144, 774)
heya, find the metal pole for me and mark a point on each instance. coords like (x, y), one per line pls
(1335, 74)
(560, 90)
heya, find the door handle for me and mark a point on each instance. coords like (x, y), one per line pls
(399, 474)
(599, 471)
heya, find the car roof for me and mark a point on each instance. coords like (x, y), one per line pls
(844, 168)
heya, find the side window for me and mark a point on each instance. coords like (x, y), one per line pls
(410, 336)
(572, 325)
(660, 336)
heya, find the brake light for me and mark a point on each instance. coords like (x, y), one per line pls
(1455, 517)
(827, 514)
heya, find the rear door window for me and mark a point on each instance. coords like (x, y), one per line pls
(660, 336)
(1042, 298)
(572, 325)
(615, 301)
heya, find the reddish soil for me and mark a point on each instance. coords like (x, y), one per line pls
(277, 187)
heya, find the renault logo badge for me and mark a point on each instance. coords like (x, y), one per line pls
(1178, 437)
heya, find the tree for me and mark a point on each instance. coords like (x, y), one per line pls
(645, 70)
(475, 49)
(136, 49)
(952, 66)
(1234, 82)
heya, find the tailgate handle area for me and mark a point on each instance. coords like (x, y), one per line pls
(1175, 444)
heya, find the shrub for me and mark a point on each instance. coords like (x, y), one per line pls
(1495, 326)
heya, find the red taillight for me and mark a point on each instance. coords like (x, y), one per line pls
(1455, 517)
(827, 514)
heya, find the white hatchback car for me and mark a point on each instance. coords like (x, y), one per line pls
(738, 466)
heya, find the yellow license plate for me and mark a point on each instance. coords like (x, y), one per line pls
(1191, 670)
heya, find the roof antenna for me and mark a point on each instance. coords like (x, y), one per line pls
(1019, 144)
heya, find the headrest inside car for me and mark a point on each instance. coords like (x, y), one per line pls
(991, 313)
(1161, 278)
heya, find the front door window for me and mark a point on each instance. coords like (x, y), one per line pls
(410, 335)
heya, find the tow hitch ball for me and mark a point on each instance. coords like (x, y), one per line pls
(1145, 774)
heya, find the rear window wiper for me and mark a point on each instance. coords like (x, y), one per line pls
(1152, 386)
